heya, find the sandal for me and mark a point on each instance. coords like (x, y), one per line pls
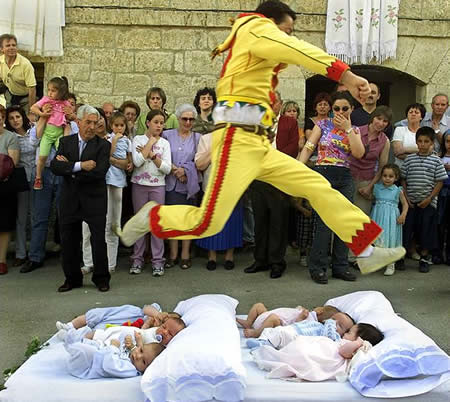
(170, 263)
(185, 264)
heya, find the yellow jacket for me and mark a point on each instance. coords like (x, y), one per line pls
(258, 50)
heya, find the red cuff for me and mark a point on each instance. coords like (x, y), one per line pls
(335, 71)
(154, 225)
(364, 237)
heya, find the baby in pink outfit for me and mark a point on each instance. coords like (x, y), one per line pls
(259, 317)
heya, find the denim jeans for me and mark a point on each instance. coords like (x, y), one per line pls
(341, 180)
(42, 207)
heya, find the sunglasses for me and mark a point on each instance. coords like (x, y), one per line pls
(189, 119)
(338, 109)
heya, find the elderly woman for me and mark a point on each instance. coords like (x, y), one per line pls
(337, 140)
(404, 139)
(156, 100)
(131, 110)
(17, 122)
(182, 185)
(366, 171)
(204, 102)
(9, 145)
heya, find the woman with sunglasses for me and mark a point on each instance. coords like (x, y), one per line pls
(337, 140)
(182, 184)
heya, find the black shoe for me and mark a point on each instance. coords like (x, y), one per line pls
(229, 265)
(30, 266)
(211, 265)
(277, 271)
(255, 268)
(424, 265)
(400, 265)
(319, 277)
(354, 265)
(345, 276)
(437, 260)
(103, 288)
(67, 286)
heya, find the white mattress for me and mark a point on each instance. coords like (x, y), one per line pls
(44, 378)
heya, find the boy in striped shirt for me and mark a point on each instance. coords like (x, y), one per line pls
(423, 174)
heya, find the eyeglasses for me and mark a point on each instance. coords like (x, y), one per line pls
(187, 119)
(338, 109)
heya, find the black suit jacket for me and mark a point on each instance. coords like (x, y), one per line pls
(83, 194)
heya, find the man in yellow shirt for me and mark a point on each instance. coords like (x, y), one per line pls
(259, 46)
(17, 74)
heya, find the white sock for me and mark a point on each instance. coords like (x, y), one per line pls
(62, 325)
(366, 252)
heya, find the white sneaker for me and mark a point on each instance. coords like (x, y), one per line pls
(112, 270)
(137, 226)
(380, 258)
(135, 269)
(390, 270)
(64, 326)
(86, 270)
(304, 261)
(158, 271)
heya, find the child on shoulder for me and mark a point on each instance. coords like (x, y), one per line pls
(385, 212)
(423, 174)
(56, 126)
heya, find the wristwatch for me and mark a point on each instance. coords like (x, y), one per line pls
(349, 130)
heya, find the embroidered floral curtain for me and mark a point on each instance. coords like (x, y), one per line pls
(361, 30)
(37, 25)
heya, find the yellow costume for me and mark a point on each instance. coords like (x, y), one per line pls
(258, 50)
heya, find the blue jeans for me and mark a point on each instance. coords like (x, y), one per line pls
(341, 180)
(42, 207)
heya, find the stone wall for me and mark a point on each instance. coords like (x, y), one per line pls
(116, 49)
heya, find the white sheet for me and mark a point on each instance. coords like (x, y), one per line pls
(44, 378)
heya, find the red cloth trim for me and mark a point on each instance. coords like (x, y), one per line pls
(364, 237)
(224, 67)
(335, 71)
(241, 15)
(155, 226)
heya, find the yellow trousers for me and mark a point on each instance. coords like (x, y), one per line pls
(239, 157)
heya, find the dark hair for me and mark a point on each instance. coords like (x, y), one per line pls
(102, 113)
(62, 86)
(3, 111)
(384, 111)
(425, 132)
(204, 91)
(154, 113)
(321, 96)
(443, 140)
(160, 92)
(71, 95)
(277, 10)
(131, 104)
(369, 333)
(7, 36)
(345, 95)
(119, 115)
(394, 168)
(418, 106)
(16, 108)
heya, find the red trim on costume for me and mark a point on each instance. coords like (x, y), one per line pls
(155, 226)
(274, 83)
(364, 237)
(241, 15)
(224, 67)
(335, 71)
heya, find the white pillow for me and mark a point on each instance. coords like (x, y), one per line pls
(405, 351)
(203, 361)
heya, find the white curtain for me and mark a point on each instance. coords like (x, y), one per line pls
(36, 24)
(361, 30)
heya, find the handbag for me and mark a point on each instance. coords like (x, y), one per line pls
(16, 182)
(6, 166)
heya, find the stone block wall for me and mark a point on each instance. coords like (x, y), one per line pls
(114, 50)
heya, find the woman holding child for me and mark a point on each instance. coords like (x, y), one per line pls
(337, 141)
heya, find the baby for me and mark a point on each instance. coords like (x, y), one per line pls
(260, 318)
(113, 352)
(333, 328)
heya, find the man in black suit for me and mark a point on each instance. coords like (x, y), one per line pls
(83, 161)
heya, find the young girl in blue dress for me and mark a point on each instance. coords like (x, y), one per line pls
(385, 211)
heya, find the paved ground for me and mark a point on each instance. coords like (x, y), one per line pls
(30, 305)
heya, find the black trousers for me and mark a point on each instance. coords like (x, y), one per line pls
(71, 235)
(271, 212)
